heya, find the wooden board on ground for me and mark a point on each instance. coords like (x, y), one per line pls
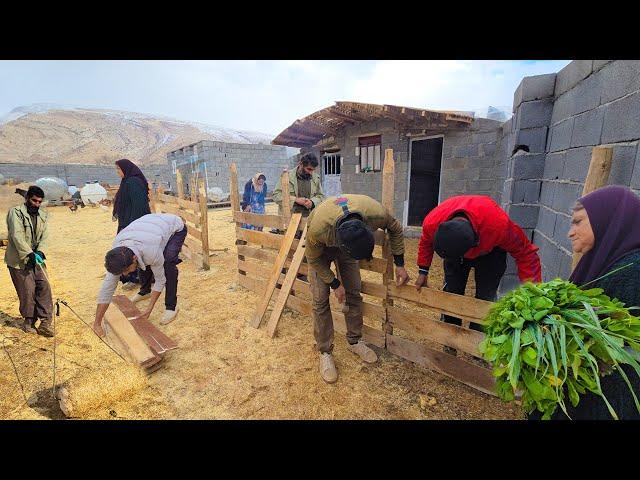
(157, 341)
(120, 330)
(275, 271)
(473, 375)
(286, 286)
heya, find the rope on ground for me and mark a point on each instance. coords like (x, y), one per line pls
(15, 370)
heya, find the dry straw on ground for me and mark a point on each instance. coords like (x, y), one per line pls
(223, 368)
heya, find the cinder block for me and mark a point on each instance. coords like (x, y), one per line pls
(560, 137)
(546, 221)
(524, 215)
(535, 113)
(525, 191)
(620, 78)
(554, 165)
(507, 188)
(565, 197)
(470, 173)
(487, 173)
(572, 74)
(635, 177)
(485, 137)
(622, 164)
(527, 165)
(534, 88)
(482, 162)
(547, 193)
(507, 284)
(622, 120)
(565, 266)
(576, 164)
(481, 186)
(587, 128)
(466, 151)
(512, 268)
(550, 258)
(534, 138)
(487, 149)
(563, 223)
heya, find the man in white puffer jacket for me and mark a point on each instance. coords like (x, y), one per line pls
(151, 244)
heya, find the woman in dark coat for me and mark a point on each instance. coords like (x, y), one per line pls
(605, 229)
(130, 203)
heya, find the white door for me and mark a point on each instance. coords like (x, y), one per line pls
(331, 184)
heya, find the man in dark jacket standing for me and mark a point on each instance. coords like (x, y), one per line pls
(473, 231)
(28, 232)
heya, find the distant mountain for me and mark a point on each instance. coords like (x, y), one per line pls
(47, 133)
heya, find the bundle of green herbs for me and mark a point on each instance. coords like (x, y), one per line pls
(552, 340)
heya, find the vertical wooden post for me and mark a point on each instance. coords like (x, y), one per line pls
(597, 177)
(179, 184)
(204, 223)
(193, 189)
(286, 199)
(152, 198)
(388, 181)
(233, 188)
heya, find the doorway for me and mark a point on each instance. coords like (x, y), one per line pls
(331, 166)
(424, 178)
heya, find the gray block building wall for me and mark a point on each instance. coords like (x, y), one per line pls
(218, 157)
(79, 174)
(596, 102)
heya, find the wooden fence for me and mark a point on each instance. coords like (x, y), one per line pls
(398, 319)
(194, 212)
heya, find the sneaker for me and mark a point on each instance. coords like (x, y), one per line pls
(168, 316)
(138, 298)
(129, 286)
(27, 326)
(328, 370)
(364, 352)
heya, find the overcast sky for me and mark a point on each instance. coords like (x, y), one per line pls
(263, 96)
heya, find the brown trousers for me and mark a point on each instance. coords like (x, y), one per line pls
(34, 293)
(322, 318)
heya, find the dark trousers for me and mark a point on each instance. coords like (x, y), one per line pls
(34, 293)
(171, 261)
(488, 269)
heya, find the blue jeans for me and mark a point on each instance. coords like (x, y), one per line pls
(171, 261)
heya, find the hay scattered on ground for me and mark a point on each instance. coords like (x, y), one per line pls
(223, 368)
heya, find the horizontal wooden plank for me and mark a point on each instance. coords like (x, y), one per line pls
(370, 310)
(473, 375)
(376, 264)
(369, 334)
(374, 289)
(453, 336)
(271, 221)
(186, 214)
(193, 244)
(188, 204)
(266, 239)
(193, 231)
(468, 308)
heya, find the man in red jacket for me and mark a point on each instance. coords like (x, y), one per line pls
(473, 231)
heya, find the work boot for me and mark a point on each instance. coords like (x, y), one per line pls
(168, 316)
(27, 326)
(138, 298)
(364, 352)
(44, 328)
(328, 370)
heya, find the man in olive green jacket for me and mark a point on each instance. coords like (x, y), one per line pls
(305, 188)
(28, 232)
(341, 230)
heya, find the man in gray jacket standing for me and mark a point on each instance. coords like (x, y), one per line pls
(151, 244)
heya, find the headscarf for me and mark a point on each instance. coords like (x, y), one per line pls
(254, 180)
(130, 170)
(614, 214)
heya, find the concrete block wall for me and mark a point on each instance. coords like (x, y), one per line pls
(79, 174)
(218, 157)
(470, 160)
(596, 102)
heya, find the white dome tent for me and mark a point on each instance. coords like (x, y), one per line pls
(54, 188)
(93, 193)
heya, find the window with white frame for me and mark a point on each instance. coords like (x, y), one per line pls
(369, 152)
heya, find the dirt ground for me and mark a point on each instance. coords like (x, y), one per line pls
(223, 368)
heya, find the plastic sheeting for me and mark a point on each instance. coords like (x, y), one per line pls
(54, 188)
(215, 194)
(92, 193)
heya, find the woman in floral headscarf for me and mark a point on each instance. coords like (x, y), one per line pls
(255, 191)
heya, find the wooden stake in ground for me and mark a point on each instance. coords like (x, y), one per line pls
(233, 188)
(292, 274)
(597, 177)
(179, 184)
(285, 246)
(204, 224)
(388, 179)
